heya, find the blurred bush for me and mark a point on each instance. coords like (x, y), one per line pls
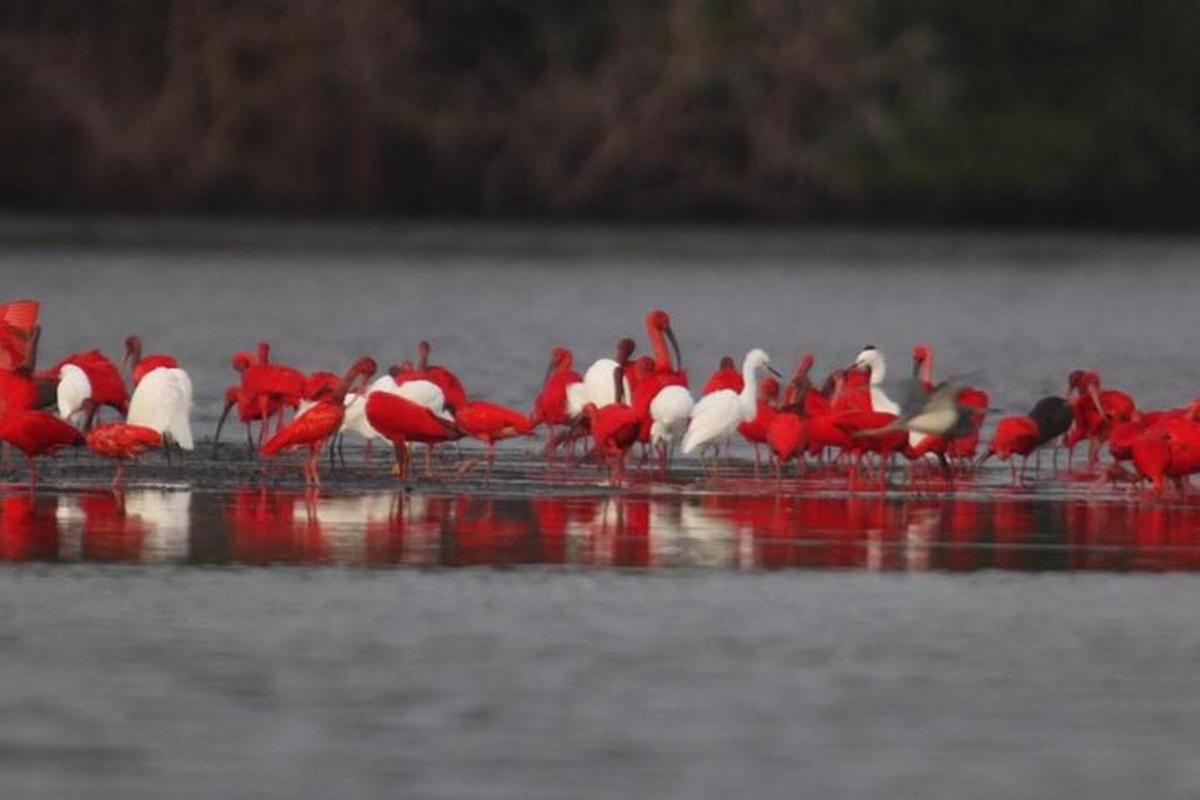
(778, 109)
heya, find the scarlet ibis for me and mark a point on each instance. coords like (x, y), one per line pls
(270, 387)
(18, 327)
(140, 365)
(313, 428)
(872, 360)
(1014, 436)
(123, 442)
(1095, 410)
(37, 433)
(716, 417)
(447, 381)
(86, 382)
(248, 412)
(550, 406)
(871, 432)
(401, 421)
(799, 389)
(754, 430)
(491, 423)
(659, 331)
(1169, 449)
(725, 377)
(787, 436)
(614, 430)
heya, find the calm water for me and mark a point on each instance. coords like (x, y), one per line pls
(268, 527)
(206, 635)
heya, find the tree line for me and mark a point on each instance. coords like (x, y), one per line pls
(1082, 111)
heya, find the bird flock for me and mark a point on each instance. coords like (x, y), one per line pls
(846, 425)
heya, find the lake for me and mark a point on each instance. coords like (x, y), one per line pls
(215, 630)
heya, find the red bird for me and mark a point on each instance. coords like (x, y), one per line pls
(139, 366)
(401, 421)
(787, 436)
(658, 329)
(122, 442)
(97, 383)
(268, 387)
(1095, 412)
(800, 393)
(18, 392)
(491, 423)
(37, 433)
(550, 406)
(755, 431)
(446, 380)
(18, 326)
(615, 428)
(247, 413)
(314, 427)
(1170, 449)
(1014, 436)
(727, 376)
(858, 426)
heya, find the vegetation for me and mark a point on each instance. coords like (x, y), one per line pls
(1082, 111)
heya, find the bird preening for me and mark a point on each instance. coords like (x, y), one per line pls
(852, 423)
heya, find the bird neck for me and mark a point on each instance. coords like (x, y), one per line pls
(662, 355)
(749, 393)
(878, 370)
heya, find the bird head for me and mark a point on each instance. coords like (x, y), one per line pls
(133, 350)
(659, 320)
(242, 362)
(625, 349)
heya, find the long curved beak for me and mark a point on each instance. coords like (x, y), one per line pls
(774, 371)
(220, 424)
(549, 371)
(619, 384)
(675, 347)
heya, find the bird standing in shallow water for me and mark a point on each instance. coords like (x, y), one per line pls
(313, 428)
(123, 442)
(36, 433)
(717, 416)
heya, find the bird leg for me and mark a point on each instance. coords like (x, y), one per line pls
(33, 473)
(92, 409)
(266, 420)
(120, 474)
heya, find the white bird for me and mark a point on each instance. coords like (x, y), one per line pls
(872, 360)
(74, 389)
(716, 417)
(162, 401)
(670, 411)
(598, 385)
(422, 392)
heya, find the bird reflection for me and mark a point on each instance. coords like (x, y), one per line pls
(29, 529)
(261, 526)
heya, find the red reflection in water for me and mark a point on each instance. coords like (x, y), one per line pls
(109, 534)
(1009, 531)
(275, 527)
(28, 528)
